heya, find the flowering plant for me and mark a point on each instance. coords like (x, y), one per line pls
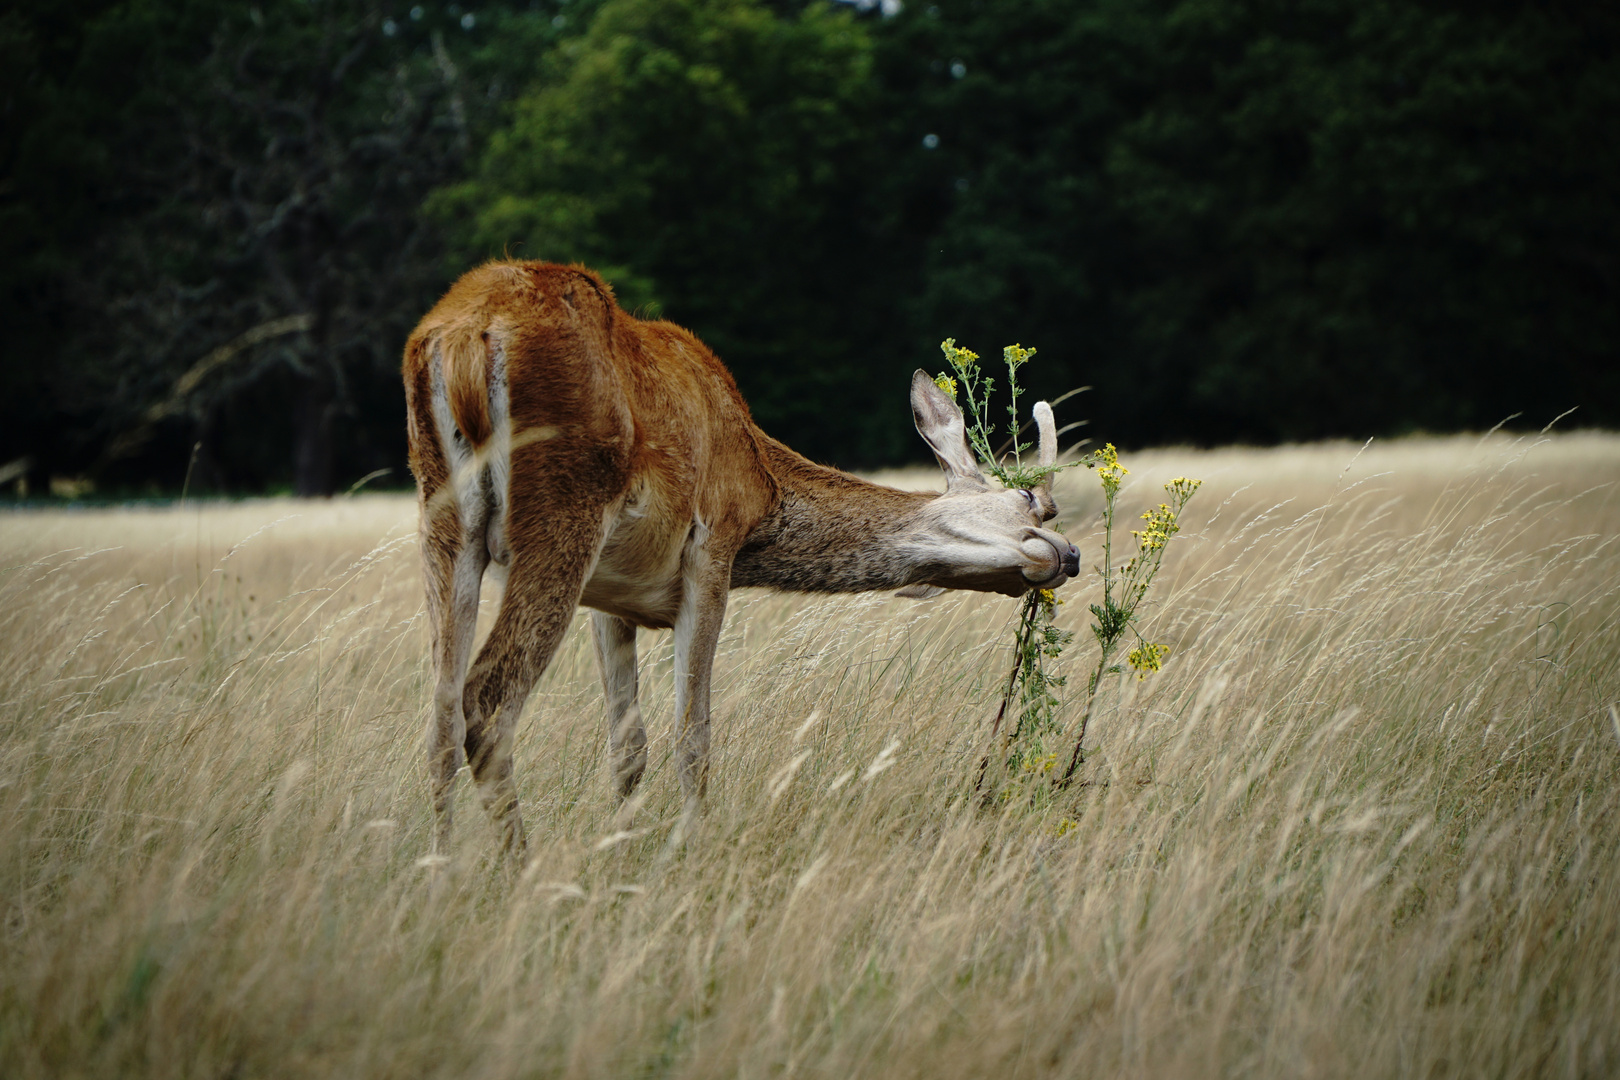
(1031, 738)
(1030, 692)
(1125, 587)
(1013, 473)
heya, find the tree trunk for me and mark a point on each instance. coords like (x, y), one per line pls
(206, 473)
(312, 455)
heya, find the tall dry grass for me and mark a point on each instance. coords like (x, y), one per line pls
(1363, 824)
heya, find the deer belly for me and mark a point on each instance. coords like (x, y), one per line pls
(653, 606)
(638, 582)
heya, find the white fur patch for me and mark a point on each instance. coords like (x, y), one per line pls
(498, 454)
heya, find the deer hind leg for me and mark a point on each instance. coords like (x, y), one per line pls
(453, 590)
(454, 555)
(549, 566)
(615, 641)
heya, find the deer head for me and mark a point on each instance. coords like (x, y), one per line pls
(975, 536)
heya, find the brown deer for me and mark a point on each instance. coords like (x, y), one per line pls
(609, 461)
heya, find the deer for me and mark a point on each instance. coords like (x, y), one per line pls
(607, 461)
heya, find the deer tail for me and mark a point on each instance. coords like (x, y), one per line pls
(466, 356)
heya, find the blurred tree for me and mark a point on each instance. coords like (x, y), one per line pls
(1248, 219)
(715, 158)
(1005, 112)
(38, 204)
(1372, 217)
(239, 239)
(1239, 219)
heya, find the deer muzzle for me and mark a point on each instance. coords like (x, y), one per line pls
(1053, 559)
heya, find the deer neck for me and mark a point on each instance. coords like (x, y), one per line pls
(829, 531)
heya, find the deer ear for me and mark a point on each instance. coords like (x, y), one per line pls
(940, 424)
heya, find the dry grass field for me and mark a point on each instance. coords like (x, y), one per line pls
(1365, 823)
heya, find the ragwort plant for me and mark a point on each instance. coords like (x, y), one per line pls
(1030, 741)
(1126, 587)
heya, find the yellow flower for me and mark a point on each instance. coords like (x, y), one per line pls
(1016, 354)
(1183, 488)
(1109, 470)
(1147, 657)
(1161, 526)
(960, 358)
(1040, 765)
(946, 383)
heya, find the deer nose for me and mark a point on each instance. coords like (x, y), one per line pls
(1071, 561)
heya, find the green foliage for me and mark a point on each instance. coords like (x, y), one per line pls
(1236, 219)
(1268, 221)
(1035, 735)
(189, 172)
(696, 151)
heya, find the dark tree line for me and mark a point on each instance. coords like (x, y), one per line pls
(1236, 220)
(219, 245)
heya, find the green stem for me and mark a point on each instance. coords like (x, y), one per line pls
(1105, 643)
(1026, 631)
(1012, 379)
(1085, 718)
(1108, 553)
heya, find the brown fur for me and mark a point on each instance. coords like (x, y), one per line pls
(610, 461)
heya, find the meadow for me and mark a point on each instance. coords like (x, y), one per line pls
(1364, 822)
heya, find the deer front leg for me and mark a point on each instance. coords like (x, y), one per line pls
(615, 641)
(706, 581)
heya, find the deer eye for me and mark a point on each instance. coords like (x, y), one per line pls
(1029, 497)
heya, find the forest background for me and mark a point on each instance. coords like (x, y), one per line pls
(1237, 220)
